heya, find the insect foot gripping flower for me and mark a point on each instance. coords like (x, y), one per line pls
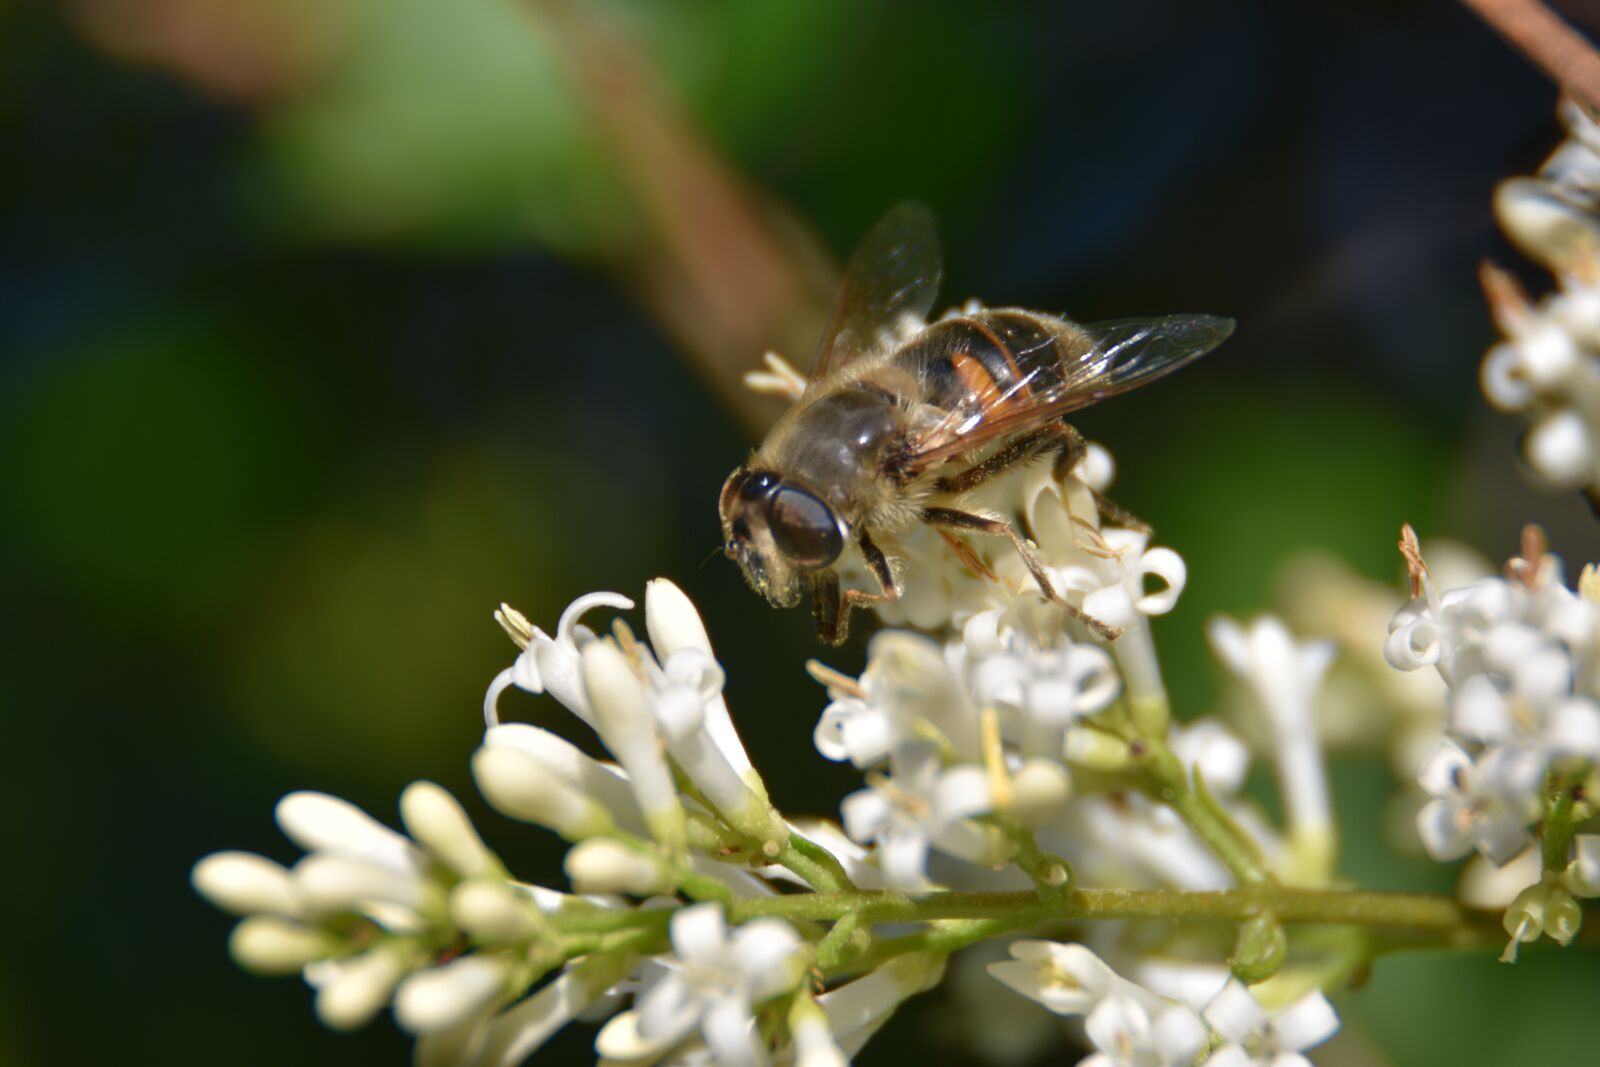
(1522, 735)
(1548, 366)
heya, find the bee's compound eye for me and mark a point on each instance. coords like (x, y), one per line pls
(758, 484)
(804, 528)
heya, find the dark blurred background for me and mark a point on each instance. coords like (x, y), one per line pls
(329, 324)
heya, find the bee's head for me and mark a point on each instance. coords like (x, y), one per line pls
(777, 532)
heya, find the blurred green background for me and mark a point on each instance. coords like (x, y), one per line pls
(329, 324)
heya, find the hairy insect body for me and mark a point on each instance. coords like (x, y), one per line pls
(899, 422)
(850, 444)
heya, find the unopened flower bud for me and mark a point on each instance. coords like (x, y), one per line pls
(354, 991)
(622, 714)
(437, 822)
(269, 945)
(515, 784)
(1524, 920)
(601, 865)
(491, 910)
(1260, 950)
(441, 997)
(1039, 790)
(243, 883)
(1096, 749)
(1563, 916)
(333, 883)
(318, 822)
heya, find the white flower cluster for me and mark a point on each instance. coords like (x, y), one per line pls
(367, 913)
(1520, 655)
(1548, 366)
(1131, 1026)
(434, 924)
(1010, 752)
(1020, 697)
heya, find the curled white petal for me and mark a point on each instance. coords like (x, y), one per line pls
(1167, 565)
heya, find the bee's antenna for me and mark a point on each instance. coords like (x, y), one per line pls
(709, 557)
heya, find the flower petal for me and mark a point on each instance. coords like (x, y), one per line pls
(1234, 1012)
(1306, 1023)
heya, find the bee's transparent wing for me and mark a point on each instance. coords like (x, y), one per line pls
(1119, 355)
(894, 274)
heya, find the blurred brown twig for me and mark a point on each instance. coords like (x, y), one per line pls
(726, 271)
(1550, 44)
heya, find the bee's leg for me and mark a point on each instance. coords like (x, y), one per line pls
(827, 609)
(964, 520)
(831, 608)
(1019, 451)
(1073, 447)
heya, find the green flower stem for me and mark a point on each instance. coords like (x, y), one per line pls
(847, 938)
(943, 939)
(1323, 907)
(1164, 778)
(1559, 825)
(815, 864)
(1413, 911)
(1051, 875)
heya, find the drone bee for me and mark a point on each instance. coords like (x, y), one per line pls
(898, 420)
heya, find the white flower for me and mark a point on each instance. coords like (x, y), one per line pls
(921, 805)
(711, 983)
(674, 626)
(857, 1009)
(680, 692)
(1256, 1037)
(1128, 1025)
(1067, 979)
(1583, 874)
(553, 664)
(623, 717)
(509, 1037)
(1488, 804)
(1284, 677)
(814, 1042)
(1127, 1032)
(1048, 688)
(1211, 749)
(1128, 840)
(1548, 368)
(1114, 576)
